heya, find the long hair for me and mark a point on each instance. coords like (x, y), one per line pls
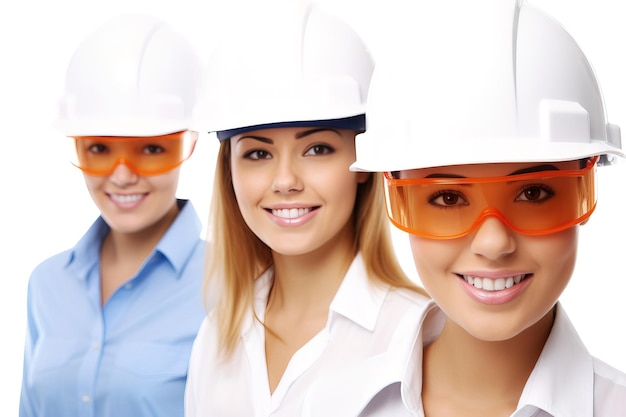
(237, 257)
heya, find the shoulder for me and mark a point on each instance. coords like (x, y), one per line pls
(205, 343)
(409, 297)
(52, 266)
(403, 301)
(207, 332)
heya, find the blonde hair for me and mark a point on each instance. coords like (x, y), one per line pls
(237, 256)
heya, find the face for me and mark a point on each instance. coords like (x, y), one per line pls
(294, 187)
(132, 203)
(495, 282)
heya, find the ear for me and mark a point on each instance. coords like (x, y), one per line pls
(362, 177)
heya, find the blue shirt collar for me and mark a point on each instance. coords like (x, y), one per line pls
(176, 245)
(178, 242)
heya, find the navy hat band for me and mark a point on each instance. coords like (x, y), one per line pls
(353, 123)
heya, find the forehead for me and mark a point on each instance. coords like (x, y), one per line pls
(487, 170)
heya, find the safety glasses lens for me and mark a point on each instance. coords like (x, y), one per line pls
(537, 203)
(144, 155)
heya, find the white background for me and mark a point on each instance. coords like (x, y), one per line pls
(46, 209)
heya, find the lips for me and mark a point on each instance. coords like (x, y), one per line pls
(494, 284)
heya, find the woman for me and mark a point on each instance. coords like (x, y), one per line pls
(490, 167)
(111, 321)
(302, 250)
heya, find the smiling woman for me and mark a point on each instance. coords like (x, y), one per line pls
(48, 212)
(494, 232)
(111, 350)
(302, 249)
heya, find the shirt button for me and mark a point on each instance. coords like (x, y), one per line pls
(95, 346)
(86, 398)
(128, 286)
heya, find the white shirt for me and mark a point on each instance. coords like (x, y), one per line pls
(565, 382)
(364, 321)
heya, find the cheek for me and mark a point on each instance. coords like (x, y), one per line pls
(556, 254)
(93, 182)
(433, 258)
(340, 192)
(245, 186)
(165, 182)
(249, 191)
(247, 183)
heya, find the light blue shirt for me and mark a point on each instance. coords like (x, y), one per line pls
(128, 358)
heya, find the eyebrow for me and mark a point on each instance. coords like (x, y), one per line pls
(538, 168)
(299, 135)
(259, 138)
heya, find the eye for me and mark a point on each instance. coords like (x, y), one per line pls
(535, 193)
(257, 154)
(97, 148)
(319, 150)
(153, 149)
(447, 198)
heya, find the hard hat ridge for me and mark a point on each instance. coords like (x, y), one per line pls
(504, 82)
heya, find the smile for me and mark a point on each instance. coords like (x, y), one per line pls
(125, 199)
(291, 213)
(490, 284)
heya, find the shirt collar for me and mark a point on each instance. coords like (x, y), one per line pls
(432, 322)
(379, 371)
(562, 381)
(176, 245)
(356, 299)
(86, 252)
(262, 287)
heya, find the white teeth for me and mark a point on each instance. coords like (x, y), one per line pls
(497, 284)
(131, 198)
(290, 213)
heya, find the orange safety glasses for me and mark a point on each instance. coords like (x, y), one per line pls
(533, 203)
(99, 155)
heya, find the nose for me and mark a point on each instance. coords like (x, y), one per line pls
(123, 175)
(493, 239)
(286, 178)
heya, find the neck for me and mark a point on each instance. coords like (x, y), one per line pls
(139, 244)
(310, 281)
(482, 372)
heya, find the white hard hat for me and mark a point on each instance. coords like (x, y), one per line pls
(289, 64)
(480, 82)
(134, 76)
